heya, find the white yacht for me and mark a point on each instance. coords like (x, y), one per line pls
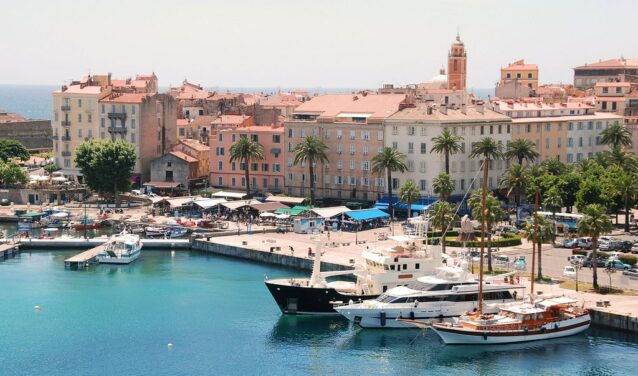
(449, 293)
(121, 249)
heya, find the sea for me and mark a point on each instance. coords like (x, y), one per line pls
(34, 101)
(191, 313)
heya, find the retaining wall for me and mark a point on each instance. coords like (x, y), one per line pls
(614, 320)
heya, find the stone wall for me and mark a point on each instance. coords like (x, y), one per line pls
(34, 134)
(626, 323)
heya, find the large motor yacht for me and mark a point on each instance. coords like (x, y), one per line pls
(121, 249)
(383, 269)
(449, 293)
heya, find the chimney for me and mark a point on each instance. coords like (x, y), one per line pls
(109, 79)
(443, 109)
(463, 109)
(480, 107)
(429, 110)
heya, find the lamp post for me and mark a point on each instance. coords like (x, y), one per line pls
(85, 219)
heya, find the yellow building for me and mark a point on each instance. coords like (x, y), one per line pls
(525, 74)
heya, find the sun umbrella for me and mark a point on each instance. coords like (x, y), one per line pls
(266, 215)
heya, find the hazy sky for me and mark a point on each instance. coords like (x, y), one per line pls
(320, 43)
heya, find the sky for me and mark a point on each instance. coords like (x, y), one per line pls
(306, 44)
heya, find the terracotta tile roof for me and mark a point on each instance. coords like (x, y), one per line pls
(520, 65)
(516, 106)
(231, 119)
(184, 156)
(126, 98)
(613, 84)
(421, 113)
(194, 144)
(8, 117)
(610, 99)
(612, 63)
(256, 129)
(374, 105)
(193, 95)
(77, 89)
(182, 122)
(594, 116)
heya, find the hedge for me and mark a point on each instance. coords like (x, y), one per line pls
(502, 242)
(629, 260)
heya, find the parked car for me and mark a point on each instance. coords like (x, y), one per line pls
(5, 202)
(614, 255)
(569, 271)
(584, 243)
(600, 263)
(576, 259)
(631, 272)
(567, 243)
(616, 264)
(519, 264)
(502, 260)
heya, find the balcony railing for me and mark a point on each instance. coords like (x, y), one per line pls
(65, 107)
(66, 153)
(66, 138)
(117, 129)
(117, 115)
(65, 123)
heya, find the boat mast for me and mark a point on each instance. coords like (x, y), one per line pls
(535, 238)
(483, 199)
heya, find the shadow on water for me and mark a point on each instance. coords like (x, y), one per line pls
(299, 329)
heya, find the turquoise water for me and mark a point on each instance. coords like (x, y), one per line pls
(221, 320)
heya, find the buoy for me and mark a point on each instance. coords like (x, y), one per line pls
(170, 345)
(37, 308)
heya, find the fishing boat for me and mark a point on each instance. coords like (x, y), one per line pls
(86, 224)
(155, 231)
(177, 232)
(123, 248)
(30, 221)
(520, 322)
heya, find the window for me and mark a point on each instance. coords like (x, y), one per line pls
(423, 148)
(365, 135)
(423, 130)
(132, 136)
(338, 180)
(339, 164)
(365, 181)
(220, 181)
(352, 135)
(518, 75)
(352, 164)
(133, 109)
(353, 180)
(380, 135)
(410, 147)
(529, 75)
(243, 181)
(395, 145)
(254, 166)
(570, 158)
(410, 166)
(220, 137)
(559, 142)
(276, 139)
(590, 125)
(422, 166)
(265, 183)
(339, 134)
(395, 131)
(380, 182)
(579, 157)
(580, 125)
(546, 143)
(220, 165)
(339, 149)
(352, 149)
(79, 102)
(102, 109)
(570, 126)
(302, 132)
(508, 75)
(580, 142)
(365, 150)
(233, 166)
(410, 131)
(423, 184)
(570, 142)
(291, 133)
(395, 183)
(254, 137)
(365, 165)
(482, 129)
(380, 150)
(79, 118)
(79, 132)
(133, 124)
(264, 167)
(233, 182)
(290, 179)
(290, 161)
(276, 167)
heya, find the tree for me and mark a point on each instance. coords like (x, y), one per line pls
(446, 143)
(244, 151)
(522, 149)
(554, 167)
(409, 193)
(627, 188)
(311, 151)
(515, 180)
(591, 191)
(12, 149)
(617, 136)
(545, 235)
(493, 214)
(594, 223)
(553, 202)
(11, 173)
(443, 186)
(51, 168)
(106, 165)
(388, 161)
(442, 214)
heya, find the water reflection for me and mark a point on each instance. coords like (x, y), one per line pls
(293, 329)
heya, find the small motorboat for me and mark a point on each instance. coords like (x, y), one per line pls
(86, 224)
(122, 248)
(177, 232)
(154, 231)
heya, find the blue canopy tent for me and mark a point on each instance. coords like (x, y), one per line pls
(366, 214)
(421, 204)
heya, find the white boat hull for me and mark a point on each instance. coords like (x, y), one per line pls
(459, 336)
(106, 259)
(427, 313)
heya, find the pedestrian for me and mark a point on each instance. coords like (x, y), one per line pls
(309, 251)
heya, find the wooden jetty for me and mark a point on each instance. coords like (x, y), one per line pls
(9, 249)
(84, 259)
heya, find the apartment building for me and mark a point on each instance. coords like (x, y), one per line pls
(410, 131)
(588, 75)
(522, 73)
(266, 175)
(568, 132)
(351, 125)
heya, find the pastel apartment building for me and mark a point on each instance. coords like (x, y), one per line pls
(586, 76)
(266, 175)
(519, 71)
(410, 131)
(351, 125)
(568, 132)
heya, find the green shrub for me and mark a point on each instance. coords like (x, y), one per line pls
(503, 242)
(629, 260)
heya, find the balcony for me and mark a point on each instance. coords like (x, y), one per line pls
(117, 115)
(65, 123)
(117, 129)
(65, 107)
(66, 153)
(66, 138)
(55, 137)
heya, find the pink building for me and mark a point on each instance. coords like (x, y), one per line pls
(266, 175)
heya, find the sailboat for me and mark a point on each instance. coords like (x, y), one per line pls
(531, 320)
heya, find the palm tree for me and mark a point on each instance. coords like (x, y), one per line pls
(553, 202)
(554, 167)
(522, 149)
(443, 186)
(545, 235)
(442, 214)
(617, 136)
(387, 161)
(311, 151)
(493, 214)
(626, 187)
(409, 193)
(244, 151)
(489, 150)
(515, 180)
(594, 223)
(446, 143)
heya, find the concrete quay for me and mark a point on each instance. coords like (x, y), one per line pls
(8, 249)
(80, 243)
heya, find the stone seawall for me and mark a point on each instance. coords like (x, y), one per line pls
(264, 257)
(614, 320)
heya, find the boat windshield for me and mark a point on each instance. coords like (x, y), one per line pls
(385, 298)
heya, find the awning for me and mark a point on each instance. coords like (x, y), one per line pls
(330, 212)
(209, 203)
(365, 214)
(181, 201)
(401, 206)
(234, 205)
(224, 194)
(293, 211)
(268, 206)
(286, 199)
(162, 184)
